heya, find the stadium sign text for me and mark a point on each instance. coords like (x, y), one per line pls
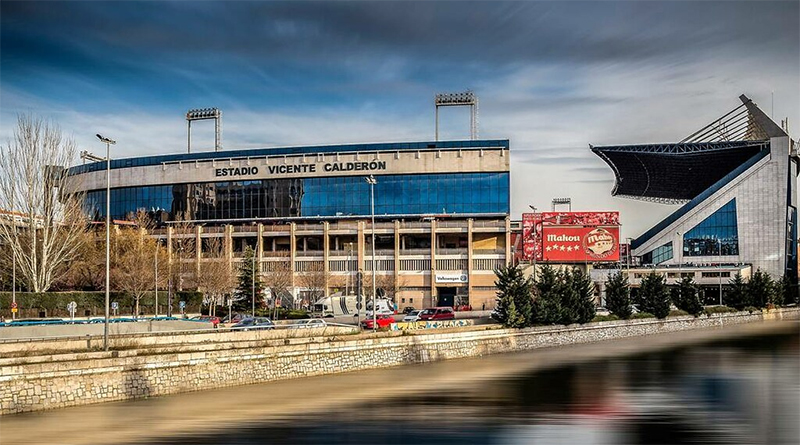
(303, 168)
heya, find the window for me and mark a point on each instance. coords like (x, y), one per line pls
(715, 235)
(658, 255)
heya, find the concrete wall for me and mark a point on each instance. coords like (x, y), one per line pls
(120, 375)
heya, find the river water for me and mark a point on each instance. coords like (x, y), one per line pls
(734, 391)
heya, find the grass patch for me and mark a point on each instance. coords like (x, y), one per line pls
(605, 318)
(640, 315)
(677, 313)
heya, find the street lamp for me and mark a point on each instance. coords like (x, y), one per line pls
(108, 143)
(254, 286)
(719, 243)
(534, 250)
(680, 258)
(372, 181)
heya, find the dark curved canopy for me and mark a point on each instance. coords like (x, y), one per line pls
(676, 172)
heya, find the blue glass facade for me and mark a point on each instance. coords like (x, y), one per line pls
(461, 193)
(658, 255)
(716, 235)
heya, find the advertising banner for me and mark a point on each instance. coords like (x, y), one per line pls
(580, 244)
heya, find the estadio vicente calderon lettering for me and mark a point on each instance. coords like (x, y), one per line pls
(303, 168)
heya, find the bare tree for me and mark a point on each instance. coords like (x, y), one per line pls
(314, 279)
(216, 278)
(183, 268)
(134, 274)
(277, 276)
(46, 231)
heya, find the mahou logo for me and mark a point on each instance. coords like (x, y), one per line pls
(599, 243)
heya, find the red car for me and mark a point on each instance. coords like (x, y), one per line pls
(437, 313)
(383, 320)
(207, 319)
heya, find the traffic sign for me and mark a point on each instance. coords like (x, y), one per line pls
(13, 305)
(114, 305)
(71, 306)
(359, 306)
(14, 310)
(181, 304)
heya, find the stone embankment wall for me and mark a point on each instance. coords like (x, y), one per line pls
(79, 379)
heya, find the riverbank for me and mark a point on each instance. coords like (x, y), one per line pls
(229, 409)
(79, 379)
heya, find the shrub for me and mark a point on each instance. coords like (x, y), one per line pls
(752, 309)
(718, 310)
(610, 317)
(640, 315)
(678, 313)
(760, 289)
(686, 296)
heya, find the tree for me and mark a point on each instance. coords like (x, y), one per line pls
(760, 289)
(216, 278)
(737, 297)
(249, 286)
(547, 304)
(514, 302)
(278, 278)
(786, 292)
(314, 279)
(618, 295)
(583, 307)
(653, 295)
(49, 222)
(686, 296)
(134, 274)
(183, 264)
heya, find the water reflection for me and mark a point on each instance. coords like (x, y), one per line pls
(743, 391)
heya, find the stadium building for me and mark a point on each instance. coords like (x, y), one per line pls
(441, 211)
(736, 179)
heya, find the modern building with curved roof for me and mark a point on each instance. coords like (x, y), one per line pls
(736, 179)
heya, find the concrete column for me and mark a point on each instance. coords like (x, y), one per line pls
(198, 248)
(292, 250)
(361, 246)
(509, 259)
(432, 300)
(227, 243)
(169, 245)
(396, 261)
(326, 247)
(469, 259)
(260, 247)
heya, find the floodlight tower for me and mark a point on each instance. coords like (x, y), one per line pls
(202, 114)
(467, 98)
(561, 201)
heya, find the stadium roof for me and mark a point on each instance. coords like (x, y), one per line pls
(678, 172)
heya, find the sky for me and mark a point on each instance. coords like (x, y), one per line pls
(553, 77)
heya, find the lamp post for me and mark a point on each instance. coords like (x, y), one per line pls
(372, 181)
(680, 258)
(108, 143)
(253, 314)
(534, 251)
(155, 274)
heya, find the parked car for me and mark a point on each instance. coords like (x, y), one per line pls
(254, 323)
(309, 324)
(413, 315)
(383, 321)
(207, 319)
(408, 309)
(437, 313)
(235, 319)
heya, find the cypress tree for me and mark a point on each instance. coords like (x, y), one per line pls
(514, 300)
(784, 292)
(547, 305)
(654, 295)
(618, 295)
(686, 296)
(760, 289)
(585, 308)
(243, 295)
(737, 297)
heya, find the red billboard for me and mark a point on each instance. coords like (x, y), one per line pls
(536, 226)
(580, 244)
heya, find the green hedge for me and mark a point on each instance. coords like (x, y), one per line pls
(54, 304)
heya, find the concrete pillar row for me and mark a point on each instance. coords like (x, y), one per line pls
(509, 259)
(260, 247)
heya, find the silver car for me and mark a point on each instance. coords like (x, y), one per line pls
(309, 324)
(413, 315)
